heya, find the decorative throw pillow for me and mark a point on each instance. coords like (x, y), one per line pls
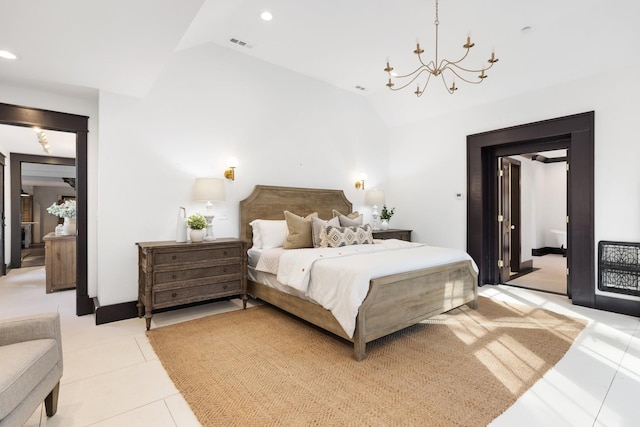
(352, 215)
(316, 228)
(346, 221)
(335, 237)
(299, 231)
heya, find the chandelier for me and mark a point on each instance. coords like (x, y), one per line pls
(447, 70)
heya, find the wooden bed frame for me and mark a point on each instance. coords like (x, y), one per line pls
(393, 302)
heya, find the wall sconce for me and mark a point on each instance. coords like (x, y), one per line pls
(360, 182)
(232, 164)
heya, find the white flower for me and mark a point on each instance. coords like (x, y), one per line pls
(66, 209)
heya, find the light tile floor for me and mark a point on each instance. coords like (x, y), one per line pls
(112, 376)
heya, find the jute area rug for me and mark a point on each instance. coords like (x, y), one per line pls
(262, 367)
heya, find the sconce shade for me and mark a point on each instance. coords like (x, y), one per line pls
(208, 189)
(374, 198)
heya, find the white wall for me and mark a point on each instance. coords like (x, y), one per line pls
(208, 104)
(551, 202)
(427, 159)
(82, 102)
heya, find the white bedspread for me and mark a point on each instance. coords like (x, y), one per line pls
(338, 278)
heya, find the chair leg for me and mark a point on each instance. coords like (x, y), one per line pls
(51, 401)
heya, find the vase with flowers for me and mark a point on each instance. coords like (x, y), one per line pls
(66, 210)
(197, 224)
(385, 216)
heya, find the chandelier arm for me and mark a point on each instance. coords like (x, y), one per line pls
(461, 76)
(418, 70)
(446, 86)
(459, 60)
(468, 70)
(425, 65)
(421, 91)
(413, 79)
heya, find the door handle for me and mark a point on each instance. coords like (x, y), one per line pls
(513, 227)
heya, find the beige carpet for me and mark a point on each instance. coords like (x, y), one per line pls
(261, 367)
(550, 276)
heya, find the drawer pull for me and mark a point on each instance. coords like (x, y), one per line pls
(224, 270)
(225, 286)
(225, 253)
(173, 295)
(173, 276)
(174, 257)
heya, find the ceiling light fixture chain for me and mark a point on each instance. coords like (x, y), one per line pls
(438, 68)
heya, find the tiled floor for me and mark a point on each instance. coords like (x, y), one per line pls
(113, 378)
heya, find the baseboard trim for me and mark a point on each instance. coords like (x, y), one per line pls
(618, 305)
(114, 312)
(548, 250)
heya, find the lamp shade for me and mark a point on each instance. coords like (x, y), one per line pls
(374, 198)
(208, 189)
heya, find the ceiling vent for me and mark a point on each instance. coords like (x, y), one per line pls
(241, 43)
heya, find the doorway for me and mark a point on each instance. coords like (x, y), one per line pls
(532, 198)
(575, 133)
(44, 119)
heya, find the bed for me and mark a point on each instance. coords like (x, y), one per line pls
(392, 302)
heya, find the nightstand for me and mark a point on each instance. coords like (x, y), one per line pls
(171, 274)
(393, 233)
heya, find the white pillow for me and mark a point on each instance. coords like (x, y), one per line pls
(269, 233)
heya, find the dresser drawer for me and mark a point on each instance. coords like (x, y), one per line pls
(177, 296)
(193, 256)
(197, 273)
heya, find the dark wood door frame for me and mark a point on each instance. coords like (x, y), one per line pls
(15, 166)
(31, 117)
(575, 133)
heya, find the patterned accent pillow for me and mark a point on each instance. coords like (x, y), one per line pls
(335, 237)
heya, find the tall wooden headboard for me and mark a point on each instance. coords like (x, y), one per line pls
(270, 202)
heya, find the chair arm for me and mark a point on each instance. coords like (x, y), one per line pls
(40, 326)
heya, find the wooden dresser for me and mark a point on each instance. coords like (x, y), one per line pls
(59, 262)
(393, 233)
(171, 274)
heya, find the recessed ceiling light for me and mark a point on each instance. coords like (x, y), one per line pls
(7, 55)
(266, 16)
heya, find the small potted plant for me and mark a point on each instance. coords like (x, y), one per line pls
(385, 216)
(197, 223)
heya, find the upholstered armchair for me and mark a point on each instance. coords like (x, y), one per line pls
(31, 367)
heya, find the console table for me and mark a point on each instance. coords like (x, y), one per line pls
(171, 274)
(59, 262)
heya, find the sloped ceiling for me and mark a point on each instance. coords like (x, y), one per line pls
(121, 45)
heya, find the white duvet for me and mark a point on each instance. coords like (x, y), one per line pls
(338, 278)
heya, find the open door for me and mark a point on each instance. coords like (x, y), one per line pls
(508, 217)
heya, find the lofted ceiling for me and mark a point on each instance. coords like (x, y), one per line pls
(122, 45)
